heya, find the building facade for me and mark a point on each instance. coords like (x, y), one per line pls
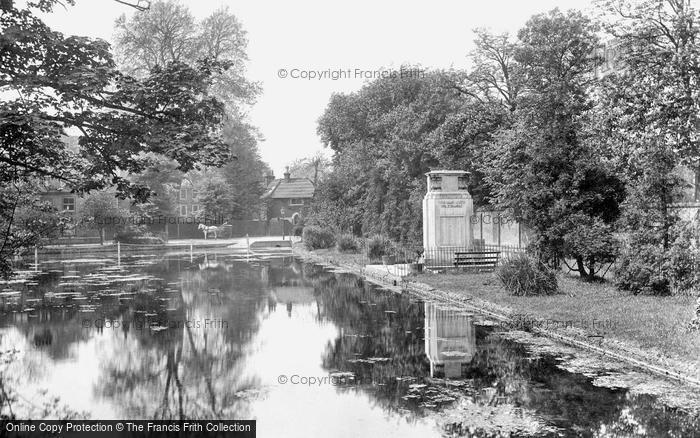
(187, 200)
(288, 198)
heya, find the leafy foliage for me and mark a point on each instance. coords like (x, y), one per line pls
(71, 82)
(650, 114)
(377, 246)
(54, 84)
(523, 275)
(651, 265)
(347, 243)
(544, 165)
(317, 238)
(386, 137)
(162, 179)
(25, 220)
(101, 209)
(168, 33)
(315, 168)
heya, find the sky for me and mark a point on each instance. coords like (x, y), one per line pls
(291, 41)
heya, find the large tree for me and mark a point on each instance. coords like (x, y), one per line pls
(385, 137)
(168, 32)
(100, 210)
(163, 180)
(650, 112)
(234, 191)
(314, 168)
(53, 84)
(495, 75)
(544, 165)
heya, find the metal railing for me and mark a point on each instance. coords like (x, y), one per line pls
(401, 261)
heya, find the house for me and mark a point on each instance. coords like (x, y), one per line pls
(187, 200)
(71, 206)
(57, 192)
(63, 200)
(288, 198)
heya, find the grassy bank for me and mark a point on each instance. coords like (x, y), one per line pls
(649, 327)
(656, 325)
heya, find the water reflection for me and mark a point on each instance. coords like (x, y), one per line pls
(209, 338)
(450, 341)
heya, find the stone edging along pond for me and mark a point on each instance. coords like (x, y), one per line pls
(608, 348)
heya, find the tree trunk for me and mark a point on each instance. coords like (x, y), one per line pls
(102, 236)
(581, 267)
(666, 224)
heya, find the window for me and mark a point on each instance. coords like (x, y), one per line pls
(183, 193)
(183, 210)
(68, 204)
(194, 194)
(194, 209)
(296, 202)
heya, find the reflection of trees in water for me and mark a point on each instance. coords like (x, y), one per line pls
(187, 370)
(570, 399)
(374, 324)
(19, 363)
(643, 416)
(501, 373)
(194, 371)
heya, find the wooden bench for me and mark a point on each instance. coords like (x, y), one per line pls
(477, 260)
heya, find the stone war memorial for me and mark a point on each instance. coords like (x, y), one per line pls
(447, 210)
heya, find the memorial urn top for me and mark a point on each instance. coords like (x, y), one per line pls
(448, 181)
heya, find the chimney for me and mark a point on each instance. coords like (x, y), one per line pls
(287, 175)
(269, 177)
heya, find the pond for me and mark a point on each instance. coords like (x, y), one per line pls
(305, 351)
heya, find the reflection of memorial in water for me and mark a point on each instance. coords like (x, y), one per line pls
(450, 341)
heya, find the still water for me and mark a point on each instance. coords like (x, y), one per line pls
(304, 351)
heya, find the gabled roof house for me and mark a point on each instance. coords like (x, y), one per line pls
(288, 198)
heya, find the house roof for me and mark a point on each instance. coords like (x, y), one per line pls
(294, 188)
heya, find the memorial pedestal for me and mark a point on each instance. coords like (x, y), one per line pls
(447, 210)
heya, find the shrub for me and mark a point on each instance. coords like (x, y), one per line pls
(645, 267)
(347, 243)
(377, 247)
(317, 238)
(128, 235)
(523, 275)
(298, 230)
(640, 269)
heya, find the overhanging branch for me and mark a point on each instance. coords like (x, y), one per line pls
(141, 5)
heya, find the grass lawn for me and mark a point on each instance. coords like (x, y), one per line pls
(653, 324)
